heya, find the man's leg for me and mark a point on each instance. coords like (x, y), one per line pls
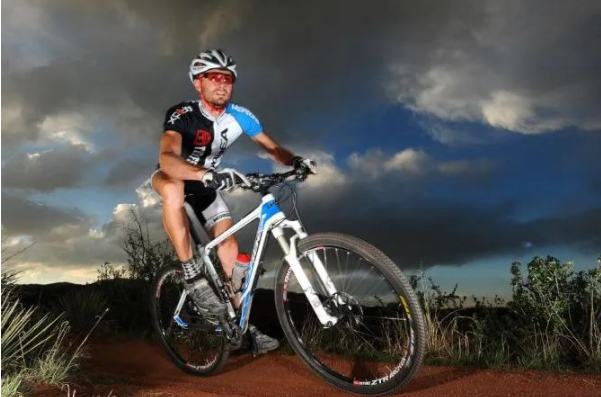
(175, 220)
(177, 228)
(227, 252)
(227, 249)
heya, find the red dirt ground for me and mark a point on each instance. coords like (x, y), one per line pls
(135, 368)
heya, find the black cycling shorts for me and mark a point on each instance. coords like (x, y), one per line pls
(208, 204)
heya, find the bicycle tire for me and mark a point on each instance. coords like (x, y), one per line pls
(401, 285)
(173, 355)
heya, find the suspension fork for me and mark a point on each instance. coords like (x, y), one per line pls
(291, 256)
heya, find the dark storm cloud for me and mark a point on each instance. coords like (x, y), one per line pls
(409, 225)
(21, 216)
(47, 171)
(128, 173)
(522, 66)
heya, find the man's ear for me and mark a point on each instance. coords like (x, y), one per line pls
(197, 83)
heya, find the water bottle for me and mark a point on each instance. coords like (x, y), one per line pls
(239, 274)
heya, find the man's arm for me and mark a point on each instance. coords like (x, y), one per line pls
(170, 159)
(278, 153)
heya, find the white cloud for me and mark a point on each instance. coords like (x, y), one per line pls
(68, 127)
(473, 93)
(515, 112)
(375, 162)
(147, 195)
(414, 163)
(328, 174)
(409, 161)
(498, 69)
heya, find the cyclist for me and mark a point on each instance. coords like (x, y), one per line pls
(195, 137)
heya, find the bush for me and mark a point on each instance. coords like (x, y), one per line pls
(559, 308)
(552, 321)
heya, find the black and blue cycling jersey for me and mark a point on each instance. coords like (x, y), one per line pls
(205, 138)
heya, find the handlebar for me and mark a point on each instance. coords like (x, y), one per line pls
(261, 182)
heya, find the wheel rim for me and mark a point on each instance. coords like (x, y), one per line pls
(374, 339)
(200, 345)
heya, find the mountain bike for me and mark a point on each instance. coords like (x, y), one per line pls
(345, 308)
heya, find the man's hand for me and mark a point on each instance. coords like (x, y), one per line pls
(300, 163)
(224, 179)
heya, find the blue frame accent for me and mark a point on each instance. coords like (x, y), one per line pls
(268, 210)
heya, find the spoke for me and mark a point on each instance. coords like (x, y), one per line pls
(339, 269)
(353, 272)
(360, 335)
(203, 357)
(382, 280)
(348, 254)
(363, 325)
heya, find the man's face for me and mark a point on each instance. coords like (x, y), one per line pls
(216, 86)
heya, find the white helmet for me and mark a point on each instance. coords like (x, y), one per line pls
(212, 59)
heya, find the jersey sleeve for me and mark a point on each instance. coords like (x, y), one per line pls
(176, 120)
(250, 124)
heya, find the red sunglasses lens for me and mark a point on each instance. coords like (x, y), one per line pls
(220, 78)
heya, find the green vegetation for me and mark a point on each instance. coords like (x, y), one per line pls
(553, 320)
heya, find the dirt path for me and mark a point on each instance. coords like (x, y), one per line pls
(136, 368)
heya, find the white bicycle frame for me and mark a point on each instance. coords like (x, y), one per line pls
(271, 218)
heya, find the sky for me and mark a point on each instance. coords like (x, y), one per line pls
(457, 137)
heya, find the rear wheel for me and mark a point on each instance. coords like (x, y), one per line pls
(378, 343)
(193, 342)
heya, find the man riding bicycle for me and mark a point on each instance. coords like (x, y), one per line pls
(196, 135)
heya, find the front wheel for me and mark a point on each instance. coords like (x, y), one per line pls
(379, 341)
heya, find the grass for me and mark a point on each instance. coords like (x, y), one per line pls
(12, 384)
(36, 347)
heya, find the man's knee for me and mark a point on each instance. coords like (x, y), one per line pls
(172, 192)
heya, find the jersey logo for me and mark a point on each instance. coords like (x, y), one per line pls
(222, 147)
(202, 138)
(178, 113)
(244, 110)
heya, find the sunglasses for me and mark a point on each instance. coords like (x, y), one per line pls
(219, 77)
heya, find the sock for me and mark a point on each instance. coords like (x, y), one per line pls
(192, 270)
